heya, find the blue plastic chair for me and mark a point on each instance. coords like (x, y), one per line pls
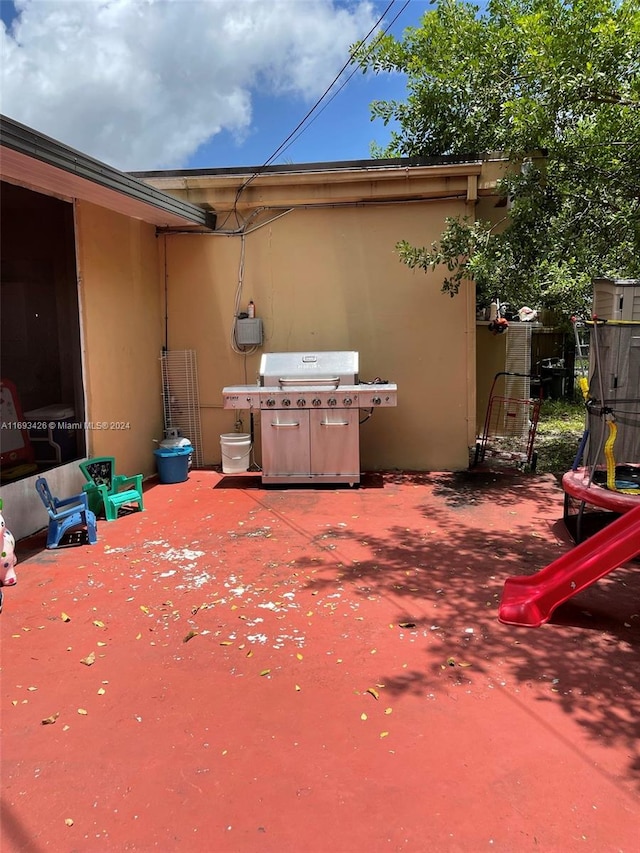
(66, 514)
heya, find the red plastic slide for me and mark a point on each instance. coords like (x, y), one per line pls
(530, 600)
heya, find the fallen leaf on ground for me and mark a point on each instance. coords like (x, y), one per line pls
(144, 609)
(384, 734)
(373, 692)
(407, 624)
(363, 717)
(388, 710)
(98, 623)
(49, 721)
(299, 656)
(82, 712)
(189, 636)
(65, 618)
(68, 821)
(265, 672)
(89, 660)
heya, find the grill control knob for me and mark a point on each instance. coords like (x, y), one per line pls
(332, 401)
(347, 401)
(301, 402)
(286, 402)
(270, 402)
(376, 401)
(316, 401)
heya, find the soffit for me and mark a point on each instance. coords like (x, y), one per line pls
(323, 187)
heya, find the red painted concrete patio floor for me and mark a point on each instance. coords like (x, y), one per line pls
(318, 670)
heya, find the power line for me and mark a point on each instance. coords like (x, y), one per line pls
(289, 139)
(324, 95)
(284, 147)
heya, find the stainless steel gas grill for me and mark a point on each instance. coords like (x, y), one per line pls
(310, 405)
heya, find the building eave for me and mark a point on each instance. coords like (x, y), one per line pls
(352, 182)
(35, 161)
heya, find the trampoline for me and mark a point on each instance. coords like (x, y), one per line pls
(608, 483)
(585, 489)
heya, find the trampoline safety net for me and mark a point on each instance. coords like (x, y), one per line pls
(614, 384)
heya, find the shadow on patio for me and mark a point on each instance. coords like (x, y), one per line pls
(319, 668)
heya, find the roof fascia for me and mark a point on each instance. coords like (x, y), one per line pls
(151, 203)
(301, 187)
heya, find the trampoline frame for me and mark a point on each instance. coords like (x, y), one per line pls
(578, 485)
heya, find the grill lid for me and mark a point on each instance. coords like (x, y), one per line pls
(309, 368)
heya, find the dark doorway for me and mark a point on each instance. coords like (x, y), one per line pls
(41, 366)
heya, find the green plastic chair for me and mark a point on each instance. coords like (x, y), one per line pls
(107, 491)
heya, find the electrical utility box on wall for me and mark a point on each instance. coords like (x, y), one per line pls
(249, 332)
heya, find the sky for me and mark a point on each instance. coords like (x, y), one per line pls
(186, 84)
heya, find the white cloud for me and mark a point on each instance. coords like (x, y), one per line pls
(141, 84)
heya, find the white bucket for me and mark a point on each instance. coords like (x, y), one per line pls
(236, 449)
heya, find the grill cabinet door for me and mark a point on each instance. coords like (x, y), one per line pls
(335, 442)
(285, 443)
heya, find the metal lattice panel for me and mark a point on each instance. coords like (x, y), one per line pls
(518, 360)
(181, 401)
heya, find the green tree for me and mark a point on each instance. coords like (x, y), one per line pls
(526, 76)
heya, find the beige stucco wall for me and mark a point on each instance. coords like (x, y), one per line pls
(120, 304)
(321, 266)
(491, 354)
(329, 278)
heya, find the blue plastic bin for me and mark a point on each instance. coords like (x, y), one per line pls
(173, 463)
